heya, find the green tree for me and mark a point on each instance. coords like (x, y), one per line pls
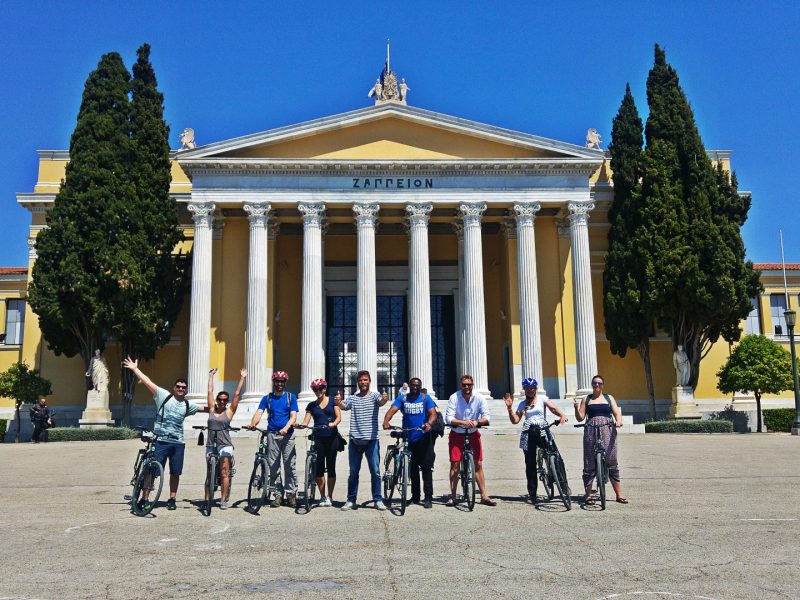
(758, 365)
(74, 276)
(23, 384)
(153, 279)
(628, 317)
(692, 214)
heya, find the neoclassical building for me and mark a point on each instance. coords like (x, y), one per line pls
(393, 239)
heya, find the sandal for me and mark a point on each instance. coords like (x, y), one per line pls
(588, 500)
(489, 502)
(450, 503)
(622, 500)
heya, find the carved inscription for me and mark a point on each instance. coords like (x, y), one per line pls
(391, 183)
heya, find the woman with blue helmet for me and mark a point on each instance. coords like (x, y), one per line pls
(531, 412)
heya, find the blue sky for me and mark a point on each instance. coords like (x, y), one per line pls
(551, 69)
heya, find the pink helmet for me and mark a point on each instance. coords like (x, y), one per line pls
(280, 375)
(319, 383)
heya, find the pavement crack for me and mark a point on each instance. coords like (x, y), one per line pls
(389, 546)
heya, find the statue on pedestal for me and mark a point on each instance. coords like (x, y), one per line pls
(680, 360)
(98, 371)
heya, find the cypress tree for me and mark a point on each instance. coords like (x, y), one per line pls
(692, 215)
(154, 277)
(628, 320)
(73, 278)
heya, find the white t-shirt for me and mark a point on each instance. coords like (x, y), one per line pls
(457, 408)
(532, 416)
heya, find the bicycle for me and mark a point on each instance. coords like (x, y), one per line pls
(310, 491)
(551, 470)
(397, 466)
(601, 466)
(467, 471)
(260, 490)
(213, 474)
(148, 476)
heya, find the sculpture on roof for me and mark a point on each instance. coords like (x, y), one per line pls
(187, 139)
(386, 88)
(593, 139)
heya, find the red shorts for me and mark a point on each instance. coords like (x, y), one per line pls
(456, 445)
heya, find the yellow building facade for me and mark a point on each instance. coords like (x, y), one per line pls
(393, 239)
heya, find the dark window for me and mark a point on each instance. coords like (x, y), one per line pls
(392, 365)
(443, 346)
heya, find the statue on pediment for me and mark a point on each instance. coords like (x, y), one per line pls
(386, 88)
(187, 139)
(377, 91)
(593, 139)
(404, 89)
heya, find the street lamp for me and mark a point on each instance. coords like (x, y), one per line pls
(791, 317)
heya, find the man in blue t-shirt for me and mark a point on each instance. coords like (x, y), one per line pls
(419, 410)
(281, 407)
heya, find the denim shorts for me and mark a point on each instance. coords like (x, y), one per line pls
(223, 451)
(174, 452)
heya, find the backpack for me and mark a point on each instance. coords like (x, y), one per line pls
(288, 402)
(160, 413)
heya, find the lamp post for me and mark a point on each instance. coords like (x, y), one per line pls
(791, 317)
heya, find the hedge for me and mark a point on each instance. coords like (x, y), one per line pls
(779, 419)
(3, 429)
(77, 434)
(689, 426)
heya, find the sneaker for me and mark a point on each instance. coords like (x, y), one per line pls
(349, 506)
(291, 501)
(325, 501)
(276, 502)
(427, 503)
(223, 505)
(379, 505)
(171, 504)
(144, 505)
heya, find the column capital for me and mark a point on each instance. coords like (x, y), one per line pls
(525, 212)
(313, 213)
(202, 213)
(419, 214)
(579, 211)
(366, 214)
(258, 213)
(471, 212)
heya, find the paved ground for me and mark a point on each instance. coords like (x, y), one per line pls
(710, 517)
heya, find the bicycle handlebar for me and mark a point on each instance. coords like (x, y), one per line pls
(313, 428)
(227, 428)
(396, 428)
(611, 424)
(477, 426)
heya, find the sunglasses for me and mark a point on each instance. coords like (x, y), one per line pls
(279, 381)
(467, 384)
(597, 383)
(180, 387)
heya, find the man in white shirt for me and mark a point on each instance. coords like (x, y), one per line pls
(465, 412)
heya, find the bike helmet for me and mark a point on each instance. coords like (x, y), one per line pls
(529, 382)
(318, 383)
(280, 375)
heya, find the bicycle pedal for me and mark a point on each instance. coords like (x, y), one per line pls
(127, 497)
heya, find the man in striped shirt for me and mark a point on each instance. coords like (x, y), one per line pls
(363, 437)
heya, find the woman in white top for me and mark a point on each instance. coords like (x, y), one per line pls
(531, 411)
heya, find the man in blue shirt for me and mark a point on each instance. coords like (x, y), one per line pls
(419, 410)
(281, 407)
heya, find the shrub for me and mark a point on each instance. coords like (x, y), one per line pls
(77, 434)
(3, 429)
(689, 426)
(779, 419)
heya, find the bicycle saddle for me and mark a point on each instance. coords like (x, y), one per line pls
(397, 435)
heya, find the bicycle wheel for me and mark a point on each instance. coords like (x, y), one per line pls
(600, 466)
(311, 485)
(468, 479)
(389, 474)
(544, 474)
(148, 484)
(257, 489)
(211, 482)
(559, 474)
(403, 482)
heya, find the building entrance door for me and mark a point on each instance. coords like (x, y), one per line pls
(341, 363)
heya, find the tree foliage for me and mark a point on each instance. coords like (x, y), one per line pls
(758, 365)
(628, 315)
(23, 384)
(691, 213)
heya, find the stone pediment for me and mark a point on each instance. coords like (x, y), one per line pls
(390, 131)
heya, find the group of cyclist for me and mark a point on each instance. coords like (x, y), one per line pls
(466, 412)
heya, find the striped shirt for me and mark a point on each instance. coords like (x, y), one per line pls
(364, 418)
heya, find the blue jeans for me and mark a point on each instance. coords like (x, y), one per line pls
(359, 448)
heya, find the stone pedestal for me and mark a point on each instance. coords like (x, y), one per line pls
(96, 414)
(683, 404)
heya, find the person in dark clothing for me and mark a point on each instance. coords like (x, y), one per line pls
(41, 419)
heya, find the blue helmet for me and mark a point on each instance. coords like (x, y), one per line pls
(529, 382)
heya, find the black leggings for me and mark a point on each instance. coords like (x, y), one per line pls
(327, 448)
(534, 441)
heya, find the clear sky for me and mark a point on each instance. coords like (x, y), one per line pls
(232, 68)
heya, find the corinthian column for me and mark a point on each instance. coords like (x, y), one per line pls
(312, 363)
(366, 216)
(530, 330)
(257, 305)
(474, 309)
(200, 315)
(419, 295)
(585, 344)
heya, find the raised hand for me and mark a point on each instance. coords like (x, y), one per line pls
(131, 364)
(212, 372)
(242, 373)
(508, 400)
(384, 395)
